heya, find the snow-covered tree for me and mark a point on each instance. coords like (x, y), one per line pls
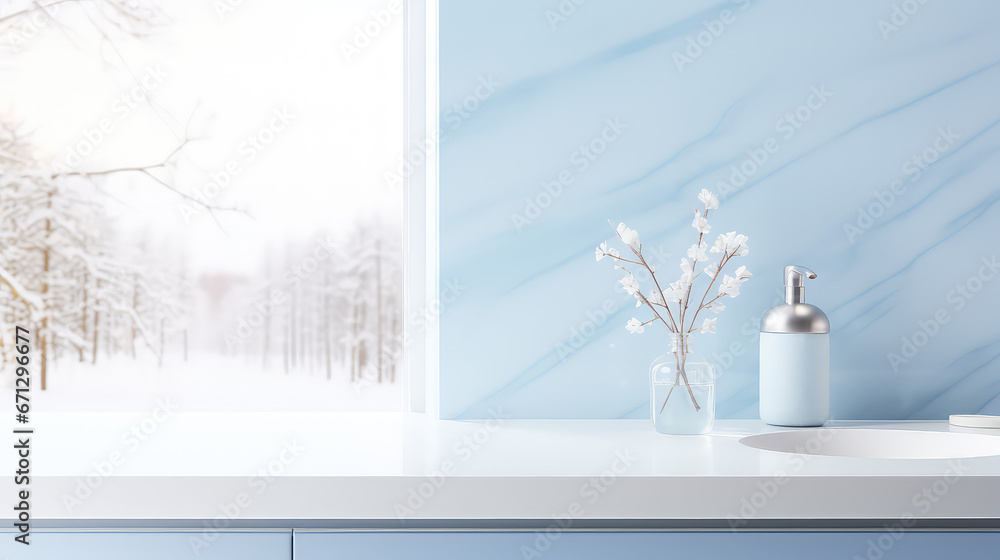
(332, 304)
(67, 276)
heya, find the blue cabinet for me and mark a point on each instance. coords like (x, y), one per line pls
(496, 545)
(149, 545)
(700, 545)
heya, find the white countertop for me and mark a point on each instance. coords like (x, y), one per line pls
(405, 468)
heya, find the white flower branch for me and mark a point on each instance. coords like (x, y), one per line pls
(729, 245)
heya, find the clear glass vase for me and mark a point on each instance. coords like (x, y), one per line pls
(682, 390)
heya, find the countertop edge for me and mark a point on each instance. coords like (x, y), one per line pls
(742, 501)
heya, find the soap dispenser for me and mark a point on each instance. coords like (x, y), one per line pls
(795, 358)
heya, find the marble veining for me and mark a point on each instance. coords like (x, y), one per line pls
(884, 182)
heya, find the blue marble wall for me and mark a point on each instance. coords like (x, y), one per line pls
(867, 136)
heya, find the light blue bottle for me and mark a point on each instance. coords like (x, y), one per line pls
(795, 358)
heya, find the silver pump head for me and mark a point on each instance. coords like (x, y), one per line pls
(795, 289)
(795, 315)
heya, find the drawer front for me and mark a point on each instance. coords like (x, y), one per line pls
(149, 545)
(721, 545)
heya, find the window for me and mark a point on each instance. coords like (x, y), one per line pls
(201, 201)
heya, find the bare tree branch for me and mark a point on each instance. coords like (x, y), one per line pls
(147, 171)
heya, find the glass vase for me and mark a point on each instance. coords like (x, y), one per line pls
(682, 390)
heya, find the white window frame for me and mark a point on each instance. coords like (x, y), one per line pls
(420, 214)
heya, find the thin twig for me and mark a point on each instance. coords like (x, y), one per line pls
(722, 263)
(638, 253)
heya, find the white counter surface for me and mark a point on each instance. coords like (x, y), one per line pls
(406, 469)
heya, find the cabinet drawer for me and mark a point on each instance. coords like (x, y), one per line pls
(700, 545)
(149, 545)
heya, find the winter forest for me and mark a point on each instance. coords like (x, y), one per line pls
(120, 304)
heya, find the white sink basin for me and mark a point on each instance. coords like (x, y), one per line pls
(877, 444)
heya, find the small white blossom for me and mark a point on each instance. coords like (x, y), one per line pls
(697, 252)
(730, 286)
(731, 244)
(629, 236)
(675, 292)
(700, 223)
(687, 270)
(685, 281)
(686, 274)
(710, 201)
(630, 285)
(744, 247)
(604, 251)
(656, 297)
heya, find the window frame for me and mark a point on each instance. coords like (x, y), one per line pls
(420, 214)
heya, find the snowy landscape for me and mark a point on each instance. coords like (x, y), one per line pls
(156, 245)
